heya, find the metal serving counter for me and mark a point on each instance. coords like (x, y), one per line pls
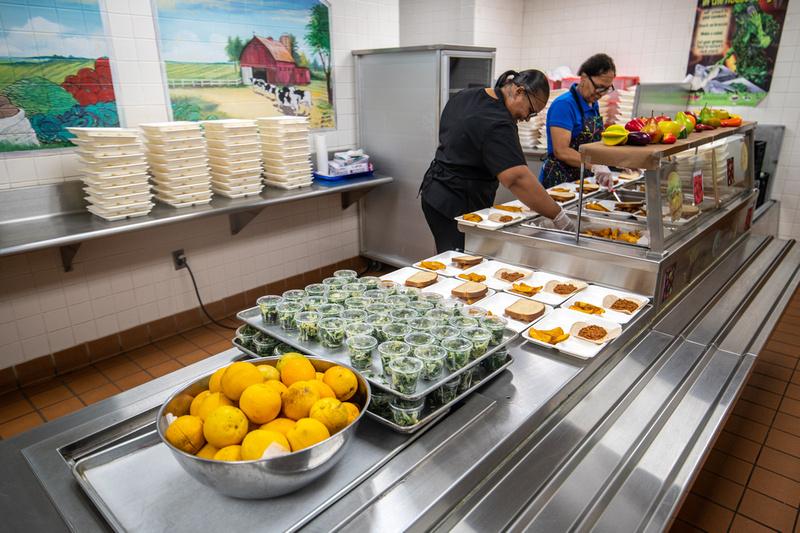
(552, 444)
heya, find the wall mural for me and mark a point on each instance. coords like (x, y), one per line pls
(237, 59)
(54, 73)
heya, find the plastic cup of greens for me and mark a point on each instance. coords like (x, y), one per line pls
(419, 338)
(307, 324)
(388, 287)
(281, 349)
(404, 374)
(496, 360)
(380, 402)
(356, 302)
(353, 315)
(452, 306)
(421, 306)
(440, 316)
(403, 314)
(371, 282)
(360, 349)
(412, 293)
(353, 329)
(329, 310)
(465, 380)
(446, 393)
(480, 338)
(459, 350)
(316, 289)
(346, 274)
(355, 289)
(331, 332)
(379, 308)
(496, 325)
(269, 308)
(313, 303)
(334, 282)
(406, 416)
(433, 297)
(294, 295)
(396, 331)
(463, 322)
(444, 332)
(473, 312)
(397, 301)
(432, 357)
(374, 295)
(264, 344)
(390, 350)
(286, 313)
(337, 296)
(378, 322)
(422, 323)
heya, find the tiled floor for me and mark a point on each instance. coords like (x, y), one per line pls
(750, 482)
(751, 479)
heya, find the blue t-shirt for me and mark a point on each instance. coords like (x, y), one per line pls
(564, 113)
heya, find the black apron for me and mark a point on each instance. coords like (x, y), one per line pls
(554, 171)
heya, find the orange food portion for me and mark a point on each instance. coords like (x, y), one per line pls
(509, 208)
(525, 289)
(550, 336)
(472, 217)
(615, 234)
(432, 265)
(472, 276)
(585, 307)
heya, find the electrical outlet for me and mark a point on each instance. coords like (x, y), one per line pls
(179, 259)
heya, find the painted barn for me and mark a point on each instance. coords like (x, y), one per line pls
(270, 60)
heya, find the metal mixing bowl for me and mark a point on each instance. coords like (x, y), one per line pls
(263, 478)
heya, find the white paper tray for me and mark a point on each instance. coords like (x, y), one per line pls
(174, 203)
(565, 318)
(119, 215)
(488, 269)
(166, 173)
(167, 128)
(488, 224)
(287, 186)
(164, 144)
(497, 304)
(446, 257)
(101, 180)
(104, 132)
(443, 285)
(594, 294)
(540, 278)
(225, 124)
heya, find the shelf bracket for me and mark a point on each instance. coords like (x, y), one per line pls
(68, 254)
(351, 197)
(238, 221)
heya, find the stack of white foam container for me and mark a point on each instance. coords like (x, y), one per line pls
(539, 122)
(176, 152)
(625, 105)
(285, 151)
(114, 172)
(234, 155)
(529, 133)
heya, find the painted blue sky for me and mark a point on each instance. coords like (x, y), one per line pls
(197, 30)
(51, 27)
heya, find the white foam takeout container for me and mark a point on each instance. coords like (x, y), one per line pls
(446, 258)
(497, 304)
(489, 268)
(565, 318)
(595, 295)
(540, 279)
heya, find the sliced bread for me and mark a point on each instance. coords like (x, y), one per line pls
(470, 291)
(422, 279)
(466, 261)
(525, 310)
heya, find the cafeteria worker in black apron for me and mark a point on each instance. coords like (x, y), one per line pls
(574, 119)
(479, 148)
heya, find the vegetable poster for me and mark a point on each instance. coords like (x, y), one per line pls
(733, 50)
(54, 73)
(236, 59)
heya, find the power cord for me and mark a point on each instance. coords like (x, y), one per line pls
(199, 299)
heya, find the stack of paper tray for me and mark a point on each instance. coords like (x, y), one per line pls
(114, 172)
(178, 161)
(234, 156)
(285, 151)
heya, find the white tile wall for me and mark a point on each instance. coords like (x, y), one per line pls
(437, 22)
(120, 282)
(651, 38)
(500, 24)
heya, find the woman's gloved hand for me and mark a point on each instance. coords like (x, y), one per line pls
(603, 176)
(563, 222)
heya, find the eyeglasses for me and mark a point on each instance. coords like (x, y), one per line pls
(599, 89)
(533, 112)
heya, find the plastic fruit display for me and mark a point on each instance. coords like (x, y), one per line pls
(638, 138)
(651, 129)
(267, 418)
(614, 135)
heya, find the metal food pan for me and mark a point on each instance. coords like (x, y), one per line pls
(431, 415)
(252, 317)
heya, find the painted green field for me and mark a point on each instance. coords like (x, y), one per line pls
(201, 71)
(54, 70)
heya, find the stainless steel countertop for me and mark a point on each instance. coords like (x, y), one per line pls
(609, 445)
(70, 227)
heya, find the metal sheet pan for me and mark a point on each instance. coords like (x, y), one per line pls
(252, 317)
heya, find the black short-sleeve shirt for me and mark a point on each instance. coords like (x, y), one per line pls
(478, 139)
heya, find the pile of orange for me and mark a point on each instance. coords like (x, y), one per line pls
(248, 409)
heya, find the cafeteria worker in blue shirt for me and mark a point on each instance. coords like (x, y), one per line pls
(574, 119)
